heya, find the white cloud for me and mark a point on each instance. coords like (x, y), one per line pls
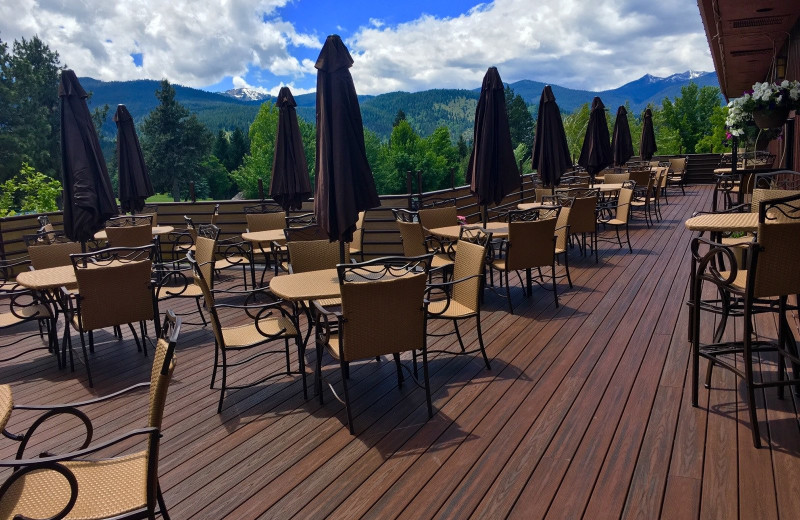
(594, 44)
(194, 43)
(576, 43)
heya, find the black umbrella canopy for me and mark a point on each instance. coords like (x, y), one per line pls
(289, 185)
(647, 145)
(344, 183)
(621, 143)
(550, 151)
(492, 172)
(134, 181)
(88, 198)
(596, 149)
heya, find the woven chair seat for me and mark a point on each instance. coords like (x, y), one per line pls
(440, 260)
(192, 291)
(6, 403)
(247, 335)
(329, 302)
(740, 281)
(42, 494)
(613, 222)
(224, 263)
(738, 241)
(8, 319)
(454, 309)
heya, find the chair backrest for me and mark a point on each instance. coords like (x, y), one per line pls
(761, 195)
(215, 215)
(624, 204)
(265, 221)
(780, 180)
(562, 221)
(202, 278)
(542, 192)
(130, 236)
(130, 220)
(264, 207)
(152, 210)
(358, 234)
(314, 255)
(677, 165)
(305, 233)
(531, 243)
(776, 259)
(52, 255)
(642, 177)
(582, 217)
(470, 261)
(616, 178)
(662, 170)
(413, 236)
(115, 286)
(163, 367)
(382, 316)
(306, 219)
(440, 216)
(208, 231)
(204, 256)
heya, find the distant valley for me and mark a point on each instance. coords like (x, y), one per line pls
(425, 110)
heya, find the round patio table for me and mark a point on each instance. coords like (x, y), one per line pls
(311, 285)
(498, 230)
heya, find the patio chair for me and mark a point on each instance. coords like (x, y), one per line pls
(267, 322)
(620, 217)
(114, 289)
(530, 245)
(173, 280)
(642, 200)
(416, 243)
(130, 236)
(78, 485)
(130, 220)
(772, 275)
(616, 178)
(676, 173)
(357, 245)
(462, 296)
(266, 222)
(659, 182)
(780, 180)
(582, 221)
(438, 213)
(281, 252)
(378, 317)
(21, 306)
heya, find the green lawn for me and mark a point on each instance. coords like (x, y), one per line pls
(164, 197)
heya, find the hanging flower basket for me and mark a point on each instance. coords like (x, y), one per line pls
(770, 118)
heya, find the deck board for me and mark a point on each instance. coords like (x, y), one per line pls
(585, 413)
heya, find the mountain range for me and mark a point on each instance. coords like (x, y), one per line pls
(425, 110)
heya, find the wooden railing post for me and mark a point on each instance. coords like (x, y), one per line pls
(192, 195)
(261, 189)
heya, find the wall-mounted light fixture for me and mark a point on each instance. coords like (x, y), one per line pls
(780, 67)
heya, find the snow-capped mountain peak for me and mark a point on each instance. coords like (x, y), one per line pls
(247, 94)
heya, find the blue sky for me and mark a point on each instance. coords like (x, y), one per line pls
(405, 45)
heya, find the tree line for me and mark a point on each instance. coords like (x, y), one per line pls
(179, 149)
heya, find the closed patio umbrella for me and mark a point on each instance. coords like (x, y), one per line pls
(596, 149)
(88, 198)
(647, 145)
(550, 151)
(289, 185)
(621, 143)
(344, 182)
(134, 181)
(492, 172)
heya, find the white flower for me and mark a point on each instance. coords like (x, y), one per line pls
(785, 83)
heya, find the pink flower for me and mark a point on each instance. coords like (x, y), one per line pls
(728, 135)
(462, 220)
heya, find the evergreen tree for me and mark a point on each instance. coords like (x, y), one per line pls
(29, 115)
(520, 121)
(258, 163)
(222, 148)
(400, 116)
(690, 114)
(174, 144)
(239, 146)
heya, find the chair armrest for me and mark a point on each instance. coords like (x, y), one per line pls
(704, 266)
(739, 208)
(79, 404)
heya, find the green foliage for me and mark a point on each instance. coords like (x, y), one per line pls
(690, 115)
(575, 127)
(520, 121)
(258, 163)
(30, 191)
(220, 184)
(717, 142)
(400, 116)
(174, 144)
(239, 146)
(29, 116)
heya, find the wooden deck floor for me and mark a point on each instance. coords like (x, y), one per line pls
(585, 413)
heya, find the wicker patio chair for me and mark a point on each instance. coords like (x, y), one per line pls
(621, 217)
(460, 298)
(616, 178)
(772, 275)
(267, 322)
(378, 317)
(80, 485)
(22, 306)
(130, 236)
(582, 221)
(130, 220)
(659, 184)
(114, 289)
(357, 245)
(441, 215)
(528, 247)
(174, 282)
(417, 243)
(267, 222)
(780, 180)
(676, 173)
(642, 200)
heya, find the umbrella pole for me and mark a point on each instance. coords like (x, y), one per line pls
(485, 215)
(341, 252)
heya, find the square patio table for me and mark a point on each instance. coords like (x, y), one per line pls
(498, 230)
